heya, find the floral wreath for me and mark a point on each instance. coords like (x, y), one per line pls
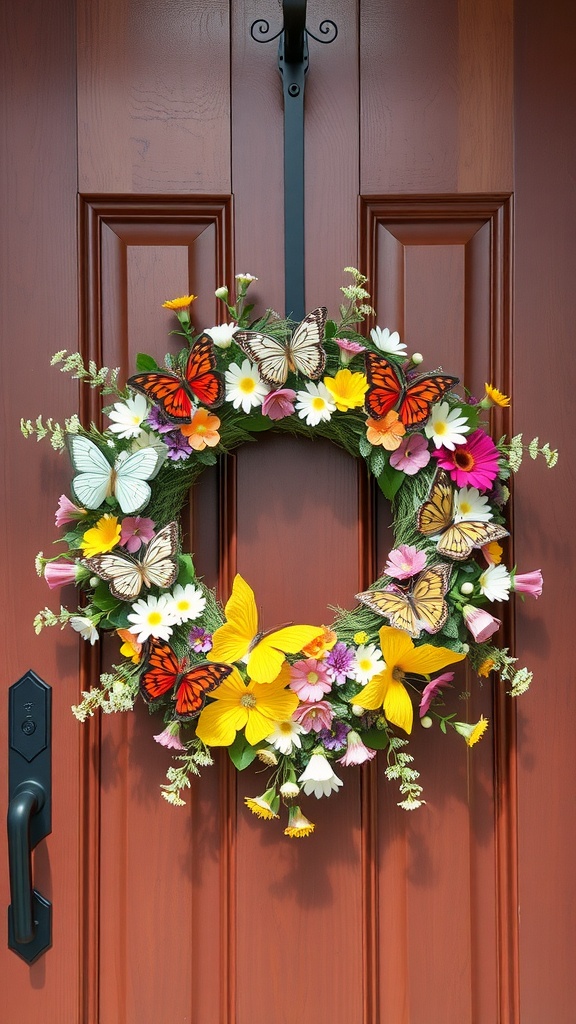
(304, 699)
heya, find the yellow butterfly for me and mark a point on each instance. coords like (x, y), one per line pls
(239, 640)
(436, 517)
(421, 607)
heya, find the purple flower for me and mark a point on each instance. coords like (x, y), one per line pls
(136, 531)
(432, 688)
(159, 422)
(338, 662)
(278, 404)
(199, 640)
(334, 738)
(412, 454)
(178, 447)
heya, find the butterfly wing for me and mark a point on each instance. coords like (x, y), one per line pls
(268, 654)
(231, 642)
(305, 352)
(158, 565)
(394, 604)
(427, 597)
(421, 394)
(161, 672)
(386, 386)
(130, 476)
(269, 354)
(201, 376)
(166, 390)
(120, 571)
(194, 685)
(459, 540)
(93, 484)
(436, 514)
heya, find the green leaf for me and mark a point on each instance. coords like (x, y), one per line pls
(145, 363)
(206, 457)
(256, 423)
(241, 753)
(390, 481)
(377, 462)
(330, 329)
(364, 447)
(377, 739)
(186, 570)
(119, 618)
(103, 599)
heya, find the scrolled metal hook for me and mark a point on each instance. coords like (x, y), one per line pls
(327, 28)
(260, 28)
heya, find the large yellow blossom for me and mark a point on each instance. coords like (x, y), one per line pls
(347, 389)
(256, 706)
(102, 537)
(387, 689)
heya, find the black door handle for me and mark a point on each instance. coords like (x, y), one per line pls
(29, 813)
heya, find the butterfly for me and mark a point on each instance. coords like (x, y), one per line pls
(175, 392)
(412, 399)
(239, 640)
(126, 575)
(436, 516)
(98, 480)
(420, 607)
(164, 671)
(302, 353)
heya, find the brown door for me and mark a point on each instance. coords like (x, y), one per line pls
(452, 123)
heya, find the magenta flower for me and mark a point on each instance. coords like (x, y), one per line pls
(67, 511)
(432, 688)
(199, 640)
(356, 750)
(411, 455)
(136, 531)
(348, 349)
(315, 716)
(309, 679)
(480, 623)
(525, 582)
(405, 561)
(59, 574)
(278, 404)
(338, 663)
(473, 464)
(170, 737)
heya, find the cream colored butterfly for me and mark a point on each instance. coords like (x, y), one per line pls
(98, 480)
(302, 353)
(126, 575)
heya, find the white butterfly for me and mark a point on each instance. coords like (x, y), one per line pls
(302, 353)
(126, 575)
(97, 479)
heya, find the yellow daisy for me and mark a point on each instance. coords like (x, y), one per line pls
(255, 707)
(496, 397)
(181, 303)
(347, 389)
(102, 537)
(472, 733)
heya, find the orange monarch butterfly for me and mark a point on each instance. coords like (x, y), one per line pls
(420, 607)
(302, 353)
(175, 393)
(412, 400)
(164, 671)
(436, 518)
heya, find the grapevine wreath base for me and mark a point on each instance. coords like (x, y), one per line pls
(305, 699)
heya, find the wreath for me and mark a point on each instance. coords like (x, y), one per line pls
(305, 699)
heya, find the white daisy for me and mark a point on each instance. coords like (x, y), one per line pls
(285, 736)
(315, 404)
(189, 603)
(388, 341)
(367, 662)
(469, 504)
(127, 416)
(153, 616)
(244, 387)
(223, 334)
(319, 778)
(83, 625)
(446, 427)
(495, 583)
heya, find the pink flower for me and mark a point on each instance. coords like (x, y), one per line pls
(480, 623)
(310, 679)
(412, 454)
(314, 717)
(525, 582)
(170, 737)
(405, 561)
(432, 688)
(472, 464)
(278, 404)
(59, 574)
(348, 349)
(136, 531)
(356, 751)
(67, 511)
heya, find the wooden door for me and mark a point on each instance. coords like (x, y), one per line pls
(439, 159)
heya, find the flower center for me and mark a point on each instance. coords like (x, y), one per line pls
(183, 606)
(285, 727)
(154, 619)
(312, 677)
(465, 508)
(318, 403)
(440, 428)
(247, 385)
(398, 674)
(248, 700)
(463, 460)
(365, 664)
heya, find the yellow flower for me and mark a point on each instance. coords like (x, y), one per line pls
(347, 389)
(387, 432)
(298, 824)
(202, 431)
(495, 397)
(402, 657)
(130, 648)
(265, 806)
(255, 706)
(472, 733)
(486, 667)
(361, 637)
(102, 537)
(493, 552)
(321, 644)
(182, 303)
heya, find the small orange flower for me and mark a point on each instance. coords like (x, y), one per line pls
(130, 647)
(321, 644)
(495, 397)
(493, 552)
(182, 303)
(387, 432)
(486, 667)
(202, 432)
